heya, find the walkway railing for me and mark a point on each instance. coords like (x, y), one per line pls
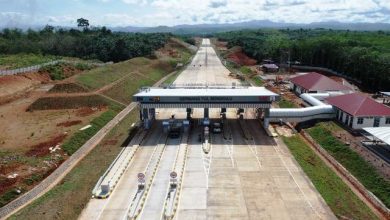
(38, 67)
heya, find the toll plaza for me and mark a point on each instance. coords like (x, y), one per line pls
(221, 97)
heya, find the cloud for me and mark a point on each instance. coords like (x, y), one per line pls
(217, 4)
(174, 12)
(135, 2)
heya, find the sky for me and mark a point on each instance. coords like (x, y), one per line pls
(147, 13)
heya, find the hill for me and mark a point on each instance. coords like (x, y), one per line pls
(254, 24)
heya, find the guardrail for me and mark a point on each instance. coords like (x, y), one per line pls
(27, 69)
(110, 178)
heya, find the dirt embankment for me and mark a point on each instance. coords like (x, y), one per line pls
(43, 149)
(68, 88)
(15, 86)
(236, 55)
(49, 103)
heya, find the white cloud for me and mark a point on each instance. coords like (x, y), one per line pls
(135, 2)
(174, 12)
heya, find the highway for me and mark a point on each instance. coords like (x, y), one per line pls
(250, 176)
(206, 68)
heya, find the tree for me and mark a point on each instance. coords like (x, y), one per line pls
(83, 23)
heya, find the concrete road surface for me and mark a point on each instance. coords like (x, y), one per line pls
(206, 68)
(238, 179)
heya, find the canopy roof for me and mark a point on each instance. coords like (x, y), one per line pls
(385, 93)
(382, 133)
(248, 97)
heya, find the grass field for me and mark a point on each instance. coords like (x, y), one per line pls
(24, 60)
(124, 90)
(80, 137)
(67, 200)
(172, 78)
(353, 162)
(245, 70)
(339, 197)
(147, 72)
(258, 81)
(105, 75)
(283, 103)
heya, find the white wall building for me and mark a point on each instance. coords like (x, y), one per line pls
(358, 111)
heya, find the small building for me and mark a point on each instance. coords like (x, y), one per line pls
(358, 111)
(270, 68)
(386, 97)
(317, 83)
(267, 61)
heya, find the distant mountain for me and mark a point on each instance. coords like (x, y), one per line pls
(255, 24)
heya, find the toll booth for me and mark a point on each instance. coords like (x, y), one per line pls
(207, 97)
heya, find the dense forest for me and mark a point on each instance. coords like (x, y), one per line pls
(364, 56)
(85, 43)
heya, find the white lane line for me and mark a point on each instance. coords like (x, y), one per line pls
(295, 181)
(230, 145)
(255, 153)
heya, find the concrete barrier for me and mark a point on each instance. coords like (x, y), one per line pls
(171, 204)
(136, 206)
(111, 177)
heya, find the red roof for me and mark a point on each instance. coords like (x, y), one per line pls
(358, 104)
(317, 82)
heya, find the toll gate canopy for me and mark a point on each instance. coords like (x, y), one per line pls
(244, 97)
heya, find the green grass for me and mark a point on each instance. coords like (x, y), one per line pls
(338, 196)
(8, 196)
(67, 199)
(331, 126)
(24, 60)
(80, 137)
(353, 162)
(172, 78)
(105, 75)
(283, 103)
(148, 74)
(124, 90)
(258, 81)
(55, 71)
(245, 70)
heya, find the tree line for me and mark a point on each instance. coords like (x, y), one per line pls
(86, 43)
(364, 56)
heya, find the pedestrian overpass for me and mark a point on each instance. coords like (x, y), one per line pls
(207, 97)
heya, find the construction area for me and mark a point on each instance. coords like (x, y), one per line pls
(46, 119)
(205, 155)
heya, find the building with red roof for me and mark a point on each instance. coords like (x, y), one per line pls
(357, 111)
(317, 83)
